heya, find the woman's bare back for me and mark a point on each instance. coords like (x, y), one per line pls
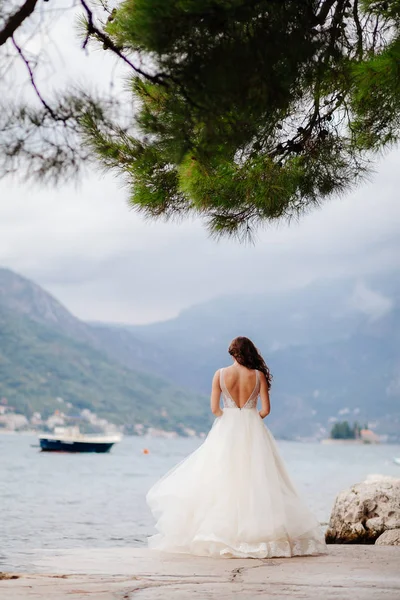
(240, 383)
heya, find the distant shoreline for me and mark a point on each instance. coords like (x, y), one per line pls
(351, 442)
(325, 441)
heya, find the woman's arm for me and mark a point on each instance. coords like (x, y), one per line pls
(264, 395)
(216, 396)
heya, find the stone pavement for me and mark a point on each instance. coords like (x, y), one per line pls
(346, 572)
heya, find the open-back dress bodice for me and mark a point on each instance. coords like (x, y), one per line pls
(227, 399)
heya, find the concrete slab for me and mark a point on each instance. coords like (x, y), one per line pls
(346, 572)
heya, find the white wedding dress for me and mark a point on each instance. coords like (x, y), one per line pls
(233, 497)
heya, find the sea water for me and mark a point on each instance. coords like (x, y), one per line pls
(54, 500)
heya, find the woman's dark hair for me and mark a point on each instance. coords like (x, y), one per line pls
(246, 354)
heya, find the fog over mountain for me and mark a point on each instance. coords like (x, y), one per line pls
(47, 354)
(333, 348)
(106, 263)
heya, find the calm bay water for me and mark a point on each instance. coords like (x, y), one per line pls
(98, 500)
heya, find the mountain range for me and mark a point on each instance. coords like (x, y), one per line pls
(333, 348)
(46, 354)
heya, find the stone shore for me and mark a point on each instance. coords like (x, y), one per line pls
(347, 572)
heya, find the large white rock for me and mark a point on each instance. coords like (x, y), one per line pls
(365, 511)
(391, 537)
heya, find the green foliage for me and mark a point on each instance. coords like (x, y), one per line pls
(376, 100)
(45, 145)
(39, 364)
(255, 110)
(343, 431)
(243, 112)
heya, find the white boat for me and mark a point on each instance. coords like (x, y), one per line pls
(397, 461)
(70, 439)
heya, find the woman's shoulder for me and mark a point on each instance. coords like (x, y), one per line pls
(223, 371)
(234, 368)
(218, 372)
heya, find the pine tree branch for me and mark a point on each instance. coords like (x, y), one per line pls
(324, 11)
(359, 29)
(110, 45)
(158, 78)
(33, 82)
(16, 20)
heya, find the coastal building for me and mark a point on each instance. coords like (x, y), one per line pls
(369, 437)
(13, 422)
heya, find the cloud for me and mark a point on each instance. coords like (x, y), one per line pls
(371, 303)
(104, 262)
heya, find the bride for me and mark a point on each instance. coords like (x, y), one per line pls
(233, 497)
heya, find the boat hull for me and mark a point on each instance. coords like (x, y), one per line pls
(48, 445)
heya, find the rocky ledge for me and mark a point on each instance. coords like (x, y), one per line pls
(367, 513)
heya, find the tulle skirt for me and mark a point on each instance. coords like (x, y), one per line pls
(233, 498)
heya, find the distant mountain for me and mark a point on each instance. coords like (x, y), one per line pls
(333, 348)
(46, 353)
(24, 297)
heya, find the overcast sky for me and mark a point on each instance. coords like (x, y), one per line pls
(104, 262)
